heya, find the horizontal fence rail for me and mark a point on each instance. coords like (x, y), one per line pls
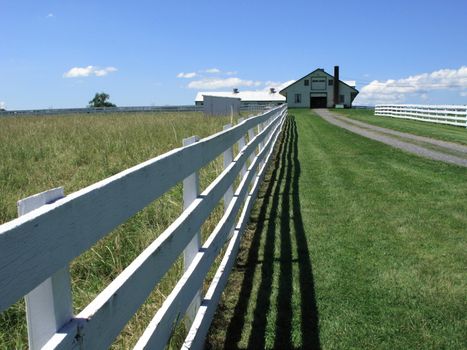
(39, 245)
(252, 107)
(56, 111)
(441, 114)
(187, 108)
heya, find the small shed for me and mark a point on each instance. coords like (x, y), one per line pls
(217, 105)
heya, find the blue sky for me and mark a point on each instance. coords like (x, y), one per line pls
(59, 53)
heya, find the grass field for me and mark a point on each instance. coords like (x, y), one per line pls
(353, 245)
(449, 133)
(39, 153)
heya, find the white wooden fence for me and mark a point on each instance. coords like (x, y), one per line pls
(442, 114)
(37, 247)
(92, 110)
(184, 108)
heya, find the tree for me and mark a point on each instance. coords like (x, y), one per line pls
(101, 100)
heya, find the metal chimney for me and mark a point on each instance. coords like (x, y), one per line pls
(336, 85)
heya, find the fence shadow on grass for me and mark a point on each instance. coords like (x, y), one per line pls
(279, 218)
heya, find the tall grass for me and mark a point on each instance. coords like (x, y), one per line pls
(443, 132)
(39, 153)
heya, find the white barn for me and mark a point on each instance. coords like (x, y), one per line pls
(318, 89)
(267, 98)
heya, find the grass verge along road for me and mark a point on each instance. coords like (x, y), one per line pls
(449, 133)
(353, 244)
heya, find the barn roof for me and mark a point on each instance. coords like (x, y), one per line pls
(247, 96)
(347, 82)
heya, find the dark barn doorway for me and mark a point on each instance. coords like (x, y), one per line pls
(318, 102)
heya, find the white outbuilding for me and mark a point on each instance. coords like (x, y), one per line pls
(248, 98)
(215, 105)
(319, 89)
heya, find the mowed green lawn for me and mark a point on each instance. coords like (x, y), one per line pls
(449, 133)
(74, 151)
(353, 245)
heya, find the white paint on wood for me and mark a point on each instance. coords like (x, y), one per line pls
(160, 328)
(77, 221)
(440, 114)
(261, 145)
(73, 224)
(49, 305)
(200, 326)
(251, 135)
(228, 158)
(36, 201)
(101, 321)
(196, 335)
(190, 193)
(241, 145)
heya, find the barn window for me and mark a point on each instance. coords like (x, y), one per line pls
(341, 98)
(298, 98)
(318, 84)
(307, 82)
(330, 82)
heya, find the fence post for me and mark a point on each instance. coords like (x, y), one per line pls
(261, 144)
(241, 144)
(228, 159)
(251, 136)
(190, 193)
(49, 305)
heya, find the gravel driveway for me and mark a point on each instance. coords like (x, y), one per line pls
(398, 139)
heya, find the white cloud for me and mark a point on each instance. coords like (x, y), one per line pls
(212, 70)
(277, 84)
(104, 71)
(203, 73)
(50, 15)
(218, 83)
(271, 83)
(395, 91)
(2, 105)
(76, 72)
(186, 75)
(463, 93)
(224, 79)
